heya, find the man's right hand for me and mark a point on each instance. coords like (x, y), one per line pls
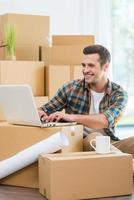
(43, 116)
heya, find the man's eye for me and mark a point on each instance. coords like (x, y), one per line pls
(90, 65)
(83, 65)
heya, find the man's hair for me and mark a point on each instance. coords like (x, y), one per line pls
(104, 54)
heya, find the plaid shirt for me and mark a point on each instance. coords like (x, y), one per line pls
(75, 98)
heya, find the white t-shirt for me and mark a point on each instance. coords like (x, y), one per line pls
(95, 101)
(94, 107)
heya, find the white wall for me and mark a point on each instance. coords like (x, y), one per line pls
(68, 16)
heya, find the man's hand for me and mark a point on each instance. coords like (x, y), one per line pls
(57, 116)
(43, 116)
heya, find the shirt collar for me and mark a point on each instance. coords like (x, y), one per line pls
(108, 86)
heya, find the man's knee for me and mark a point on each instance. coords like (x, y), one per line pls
(125, 145)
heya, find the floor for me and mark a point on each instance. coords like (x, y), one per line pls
(18, 193)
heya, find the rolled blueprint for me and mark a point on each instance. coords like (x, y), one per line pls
(30, 154)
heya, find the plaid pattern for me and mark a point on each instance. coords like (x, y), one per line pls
(75, 98)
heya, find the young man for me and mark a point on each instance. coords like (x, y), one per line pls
(94, 101)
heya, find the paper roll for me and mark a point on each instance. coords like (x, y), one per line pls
(30, 154)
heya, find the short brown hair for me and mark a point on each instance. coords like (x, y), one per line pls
(99, 49)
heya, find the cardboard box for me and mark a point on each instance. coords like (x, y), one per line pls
(57, 75)
(30, 29)
(63, 55)
(15, 138)
(76, 72)
(72, 40)
(85, 175)
(27, 52)
(41, 100)
(1, 54)
(23, 72)
(23, 52)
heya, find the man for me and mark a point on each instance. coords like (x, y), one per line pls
(94, 101)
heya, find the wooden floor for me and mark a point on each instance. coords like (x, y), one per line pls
(18, 193)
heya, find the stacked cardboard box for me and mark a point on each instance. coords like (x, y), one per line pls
(32, 31)
(72, 40)
(62, 55)
(57, 75)
(85, 175)
(66, 50)
(64, 58)
(24, 72)
(16, 138)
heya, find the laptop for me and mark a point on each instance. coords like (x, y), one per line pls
(18, 105)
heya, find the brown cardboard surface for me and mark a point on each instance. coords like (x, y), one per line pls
(23, 72)
(27, 52)
(85, 175)
(16, 138)
(30, 29)
(57, 75)
(63, 55)
(76, 72)
(72, 40)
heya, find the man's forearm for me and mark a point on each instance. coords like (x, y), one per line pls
(97, 121)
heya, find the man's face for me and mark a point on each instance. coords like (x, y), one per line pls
(91, 68)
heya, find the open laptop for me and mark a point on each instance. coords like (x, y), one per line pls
(19, 107)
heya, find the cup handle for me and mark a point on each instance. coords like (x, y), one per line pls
(91, 143)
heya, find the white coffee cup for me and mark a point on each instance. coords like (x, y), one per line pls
(102, 144)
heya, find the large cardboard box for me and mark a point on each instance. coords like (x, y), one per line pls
(76, 72)
(24, 72)
(85, 175)
(73, 40)
(30, 29)
(15, 138)
(27, 52)
(63, 54)
(57, 75)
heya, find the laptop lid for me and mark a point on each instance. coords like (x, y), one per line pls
(19, 106)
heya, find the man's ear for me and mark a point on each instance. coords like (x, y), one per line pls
(106, 66)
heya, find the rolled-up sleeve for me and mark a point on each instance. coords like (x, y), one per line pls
(116, 108)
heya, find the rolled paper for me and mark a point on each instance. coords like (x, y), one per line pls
(31, 154)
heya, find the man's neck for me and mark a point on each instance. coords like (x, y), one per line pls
(100, 86)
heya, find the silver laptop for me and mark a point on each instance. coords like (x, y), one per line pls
(19, 107)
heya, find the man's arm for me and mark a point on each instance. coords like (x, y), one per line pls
(96, 121)
(106, 119)
(57, 103)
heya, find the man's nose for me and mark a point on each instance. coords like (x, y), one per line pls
(86, 69)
